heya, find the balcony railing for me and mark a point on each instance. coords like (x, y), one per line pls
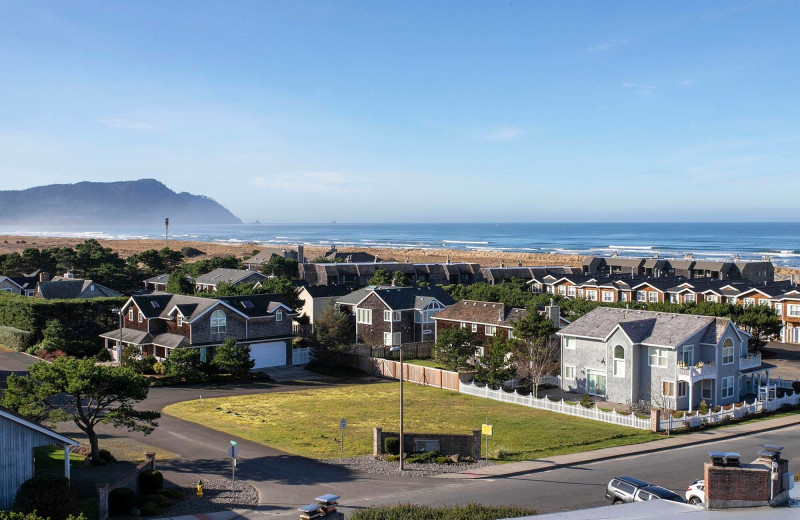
(750, 361)
(694, 372)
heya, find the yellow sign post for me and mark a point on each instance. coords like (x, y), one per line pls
(486, 429)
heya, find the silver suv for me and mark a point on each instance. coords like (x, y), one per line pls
(621, 490)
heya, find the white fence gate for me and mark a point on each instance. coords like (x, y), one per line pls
(561, 406)
(301, 356)
(734, 411)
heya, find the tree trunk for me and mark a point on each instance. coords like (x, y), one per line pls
(93, 445)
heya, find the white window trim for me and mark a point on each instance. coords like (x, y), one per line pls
(141, 317)
(279, 315)
(669, 384)
(130, 314)
(703, 390)
(474, 327)
(641, 296)
(682, 388)
(690, 350)
(567, 370)
(490, 330)
(180, 320)
(732, 355)
(570, 340)
(792, 310)
(364, 316)
(387, 316)
(660, 354)
(652, 297)
(571, 290)
(608, 296)
(726, 388)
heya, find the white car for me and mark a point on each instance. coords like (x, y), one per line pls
(696, 493)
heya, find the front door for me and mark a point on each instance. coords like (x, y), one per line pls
(596, 382)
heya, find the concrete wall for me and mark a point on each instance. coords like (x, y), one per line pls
(749, 485)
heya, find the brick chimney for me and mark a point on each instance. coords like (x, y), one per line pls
(764, 482)
(301, 253)
(44, 277)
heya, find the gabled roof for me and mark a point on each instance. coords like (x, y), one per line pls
(326, 291)
(231, 276)
(63, 288)
(488, 313)
(399, 298)
(164, 305)
(355, 256)
(8, 414)
(644, 327)
(158, 279)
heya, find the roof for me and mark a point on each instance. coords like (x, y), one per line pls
(140, 337)
(8, 414)
(398, 298)
(489, 313)
(327, 291)
(159, 278)
(63, 288)
(266, 255)
(648, 327)
(231, 276)
(355, 256)
(162, 305)
(256, 305)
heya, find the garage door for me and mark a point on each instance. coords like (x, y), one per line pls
(271, 354)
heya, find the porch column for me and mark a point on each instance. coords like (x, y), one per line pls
(67, 451)
(691, 387)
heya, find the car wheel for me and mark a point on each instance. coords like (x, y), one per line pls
(616, 502)
(695, 501)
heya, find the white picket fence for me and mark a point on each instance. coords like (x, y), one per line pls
(301, 356)
(734, 412)
(555, 406)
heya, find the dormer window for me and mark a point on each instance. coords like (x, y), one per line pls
(141, 317)
(180, 320)
(130, 314)
(279, 315)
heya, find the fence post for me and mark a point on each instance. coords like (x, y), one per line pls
(655, 420)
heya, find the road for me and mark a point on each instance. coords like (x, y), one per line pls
(14, 363)
(286, 482)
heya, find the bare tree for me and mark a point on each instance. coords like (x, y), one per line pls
(536, 358)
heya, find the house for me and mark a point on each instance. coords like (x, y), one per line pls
(495, 275)
(255, 262)
(359, 274)
(386, 315)
(357, 257)
(23, 285)
(157, 283)
(68, 287)
(209, 281)
(668, 360)
(159, 322)
(787, 306)
(687, 267)
(488, 319)
(317, 298)
(18, 437)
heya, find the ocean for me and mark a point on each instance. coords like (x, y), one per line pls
(780, 241)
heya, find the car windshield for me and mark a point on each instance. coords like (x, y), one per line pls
(664, 494)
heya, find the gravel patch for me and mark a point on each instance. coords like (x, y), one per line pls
(216, 497)
(368, 464)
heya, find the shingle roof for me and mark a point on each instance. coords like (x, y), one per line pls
(231, 276)
(266, 255)
(64, 288)
(355, 256)
(652, 328)
(161, 305)
(400, 297)
(489, 313)
(158, 279)
(327, 291)
(255, 305)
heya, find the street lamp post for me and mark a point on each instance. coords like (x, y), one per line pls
(399, 348)
(118, 312)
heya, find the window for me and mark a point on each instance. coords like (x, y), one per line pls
(749, 302)
(641, 296)
(793, 310)
(391, 338)
(619, 361)
(550, 289)
(474, 327)
(682, 388)
(391, 315)
(580, 293)
(713, 298)
(463, 325)
(180, 320)
(591, 295)
(688, 298)
(141, 317)
(652, 297)
(218, 323)
(570, 342)
(707, 389)
(417, 316)
(608, 296)
(688, 355)
(730, 299)
(569, 372)
(279, 315)
(364, 316)
(778, 309)
(673, 298)
(595, 382)
(727, 387)
(130, 314)
(571, 291)
(763, 301)
(658, 357)
(490, 330)
(562, 290)
(668, 388)
(727, 352)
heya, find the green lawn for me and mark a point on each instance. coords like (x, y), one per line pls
(430, 363)
(307, 422)
(52, 457)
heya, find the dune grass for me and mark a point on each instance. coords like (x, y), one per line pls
(307, 422)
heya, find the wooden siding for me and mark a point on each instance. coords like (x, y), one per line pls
(16, 464)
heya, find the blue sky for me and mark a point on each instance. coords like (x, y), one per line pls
(413, 111)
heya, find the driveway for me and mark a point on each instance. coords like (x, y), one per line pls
(14, 363)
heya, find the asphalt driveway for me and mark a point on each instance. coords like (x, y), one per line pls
(14, 363)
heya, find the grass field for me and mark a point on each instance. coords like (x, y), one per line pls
(52, 457)
(307, 422)
(430, 363)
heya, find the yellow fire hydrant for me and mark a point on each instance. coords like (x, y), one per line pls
(199, 488)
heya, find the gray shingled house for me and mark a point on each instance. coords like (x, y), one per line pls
(67, 287)
(669, 360)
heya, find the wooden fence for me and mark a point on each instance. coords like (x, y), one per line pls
(412, 373)
(410, 351)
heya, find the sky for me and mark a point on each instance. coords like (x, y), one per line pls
(432, 111)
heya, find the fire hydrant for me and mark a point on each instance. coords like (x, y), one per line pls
(199, 488)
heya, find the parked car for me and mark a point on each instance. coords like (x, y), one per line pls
(623, 490)
(696, 493)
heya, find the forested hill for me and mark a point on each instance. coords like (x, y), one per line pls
(142, 202)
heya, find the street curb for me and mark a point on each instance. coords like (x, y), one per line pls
(765, 428)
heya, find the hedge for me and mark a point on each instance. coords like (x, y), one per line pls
(86, 318)
(462, 512)
(15, 338)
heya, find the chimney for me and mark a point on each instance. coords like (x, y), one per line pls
(301, 253)
(553, 312)
(448, 259)
(655, 255)
(68, 275)
(519, 263)
(766, 258)
(614, 254)
(764, 482)
(406, 258)
(502, 263)
(44, 277)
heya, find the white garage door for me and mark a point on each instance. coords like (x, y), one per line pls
(271, 354)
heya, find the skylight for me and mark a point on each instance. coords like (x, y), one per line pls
(247, 304)
(155, 304)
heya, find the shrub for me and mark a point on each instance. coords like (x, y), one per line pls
(49, 496)
(106, 456)
(159, 500)
(150, 481)
(171, 492)
(103, 355)
(191, 252)
(796, 386)
(392, 446)
(443, 460)
(469, 511)
(159, 368)
(15, 338)
(423, 458)
(121, 500)
(392, 458)
(150, 509)
(586, 401)
(13, 515)
(703, 408)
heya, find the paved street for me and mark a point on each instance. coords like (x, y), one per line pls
(14, 363)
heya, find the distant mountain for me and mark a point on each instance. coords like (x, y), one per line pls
(142, 202)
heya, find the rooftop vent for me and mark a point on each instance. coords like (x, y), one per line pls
(724, 458)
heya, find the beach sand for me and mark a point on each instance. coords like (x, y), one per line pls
(126, 248)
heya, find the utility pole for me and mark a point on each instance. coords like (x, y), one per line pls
(166, 232)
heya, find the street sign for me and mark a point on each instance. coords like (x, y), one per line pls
(233, 451)
(342, 423)
(342, 426)
(486, 429)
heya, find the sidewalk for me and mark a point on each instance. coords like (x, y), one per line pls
(678, 441)
(219, 515)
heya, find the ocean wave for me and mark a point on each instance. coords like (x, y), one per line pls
(464, 242)
(633, 248)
